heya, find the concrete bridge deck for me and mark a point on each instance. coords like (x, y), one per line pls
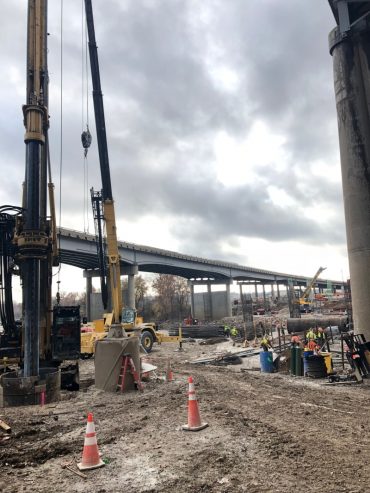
(79, 249)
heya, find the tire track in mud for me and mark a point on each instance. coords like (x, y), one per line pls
(293, 436)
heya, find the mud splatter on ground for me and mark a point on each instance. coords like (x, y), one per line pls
(267, 433)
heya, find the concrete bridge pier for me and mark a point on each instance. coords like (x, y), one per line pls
(131, 271)
(228, 298)
(88, 276)
(350, 49)
(192, 309)
(210, 305)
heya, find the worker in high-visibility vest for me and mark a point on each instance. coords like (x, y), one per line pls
(310, 335)
(265, 343)
(234, 332)
(226, 330)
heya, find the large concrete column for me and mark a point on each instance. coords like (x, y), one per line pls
(241, 293)
(272, 292)
(88, 295)
(256, 292)
(278, 291)
(351, 55)
(210, 304)
(131, 271)
(192, 306)
(131, 291)
(228, 299)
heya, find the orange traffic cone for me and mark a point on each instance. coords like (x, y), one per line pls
(169, 373)
(90, 455)
(194, 421)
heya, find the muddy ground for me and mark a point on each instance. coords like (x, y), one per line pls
(267, 433)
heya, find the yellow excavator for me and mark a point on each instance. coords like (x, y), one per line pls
(131, 322)
(304, 301)
(104, 215)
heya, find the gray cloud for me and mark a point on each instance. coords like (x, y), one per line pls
(164, 108)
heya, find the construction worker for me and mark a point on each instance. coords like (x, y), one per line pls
(311, 345)
(321, 337)
(296, 340)
(227, 330)
(311, 336)
(234, 332)
(265, 343)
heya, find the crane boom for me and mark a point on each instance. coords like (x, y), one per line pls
(114, 268)
(307, 291)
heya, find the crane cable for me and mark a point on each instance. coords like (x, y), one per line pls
(85, 135)
(61, 141)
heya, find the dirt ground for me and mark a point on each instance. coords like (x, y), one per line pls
(267, 433)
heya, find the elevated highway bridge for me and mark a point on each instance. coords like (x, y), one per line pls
(79, 250)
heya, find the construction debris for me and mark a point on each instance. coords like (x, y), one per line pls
(227, 357)
(5, 426)
(70, 468)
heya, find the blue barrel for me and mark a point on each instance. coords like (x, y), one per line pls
(306, 354)
(266, 361)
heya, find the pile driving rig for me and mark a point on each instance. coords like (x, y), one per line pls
(45, 336)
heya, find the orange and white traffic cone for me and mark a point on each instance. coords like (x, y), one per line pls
(169, 372)
(90, 455)
(194, 421)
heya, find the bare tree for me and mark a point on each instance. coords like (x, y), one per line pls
(141, 289)
(172, 297)
(71, 299)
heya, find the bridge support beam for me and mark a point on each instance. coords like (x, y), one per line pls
(278, 291)
(256, 292)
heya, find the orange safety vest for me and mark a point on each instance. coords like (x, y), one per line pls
(311, 345)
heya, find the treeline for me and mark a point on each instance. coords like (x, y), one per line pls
(164, 298)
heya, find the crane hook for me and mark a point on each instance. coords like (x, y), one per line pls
(86, 139)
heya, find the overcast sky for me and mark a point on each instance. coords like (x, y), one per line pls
(221, 127)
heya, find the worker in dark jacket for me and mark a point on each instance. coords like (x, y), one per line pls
(321, 337)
